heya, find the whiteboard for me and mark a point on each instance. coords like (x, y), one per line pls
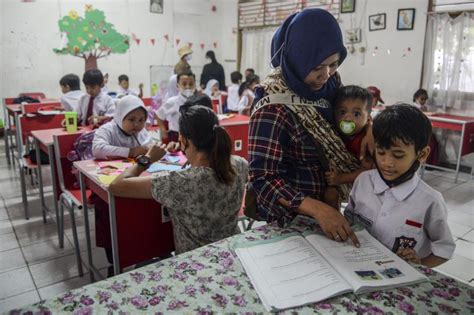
(161, 75)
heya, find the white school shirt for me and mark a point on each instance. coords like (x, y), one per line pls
(233, 97)
(70, 100)
(103, 106)
(122, 92)
(410, 215)
(244, 100)
(169, 111)
(111, 141)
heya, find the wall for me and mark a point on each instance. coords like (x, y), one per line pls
(29, 31)
(391, 67)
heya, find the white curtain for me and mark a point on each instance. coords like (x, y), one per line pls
(256, 47)
(449, 61)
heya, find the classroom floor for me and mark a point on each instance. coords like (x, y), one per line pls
(33, 267)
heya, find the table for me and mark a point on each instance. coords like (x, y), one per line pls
(462, 124)
(138, 230)
(238, 129)
(44, 142)
(211, 279)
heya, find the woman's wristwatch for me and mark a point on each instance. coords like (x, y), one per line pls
(143, 160)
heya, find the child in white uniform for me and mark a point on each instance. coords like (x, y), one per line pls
(71, 88)
(392, 202)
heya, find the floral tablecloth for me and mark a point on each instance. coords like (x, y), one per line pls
(211, 279)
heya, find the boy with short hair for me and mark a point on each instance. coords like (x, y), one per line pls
(392, 202)
(95, 107)
(233, 91)
(124, 87)
(169, 111)
(71, 88)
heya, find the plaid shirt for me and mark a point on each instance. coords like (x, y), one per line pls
(284, 162)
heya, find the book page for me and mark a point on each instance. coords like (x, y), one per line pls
(370, 267)
(289, 272)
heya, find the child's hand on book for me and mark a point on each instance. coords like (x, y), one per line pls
(409, 254)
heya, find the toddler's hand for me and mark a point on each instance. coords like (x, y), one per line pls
(332, 177)
(409, 254)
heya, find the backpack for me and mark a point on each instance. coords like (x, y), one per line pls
(82, 147)
(26, 99)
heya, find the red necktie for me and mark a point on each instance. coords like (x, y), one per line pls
(89, 109)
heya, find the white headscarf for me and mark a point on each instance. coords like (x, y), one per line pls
(125, 106)
(209, 86)
(172, 87)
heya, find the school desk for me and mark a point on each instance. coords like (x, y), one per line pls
(211, 279)
(138, 230)
(44, 143)
(238, 128)
(462, 124)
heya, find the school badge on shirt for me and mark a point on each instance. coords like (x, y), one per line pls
(403, 242)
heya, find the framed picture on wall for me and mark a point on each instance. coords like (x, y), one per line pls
(353, 36)
(348, 6)
(377, 22)
(406, 19)
(156, 6)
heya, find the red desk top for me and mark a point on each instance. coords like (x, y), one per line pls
(46, 136)
(235, 120)
(13, 108)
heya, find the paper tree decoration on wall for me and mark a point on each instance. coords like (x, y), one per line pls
(91, 37)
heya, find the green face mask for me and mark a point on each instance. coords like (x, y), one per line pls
(347, 127)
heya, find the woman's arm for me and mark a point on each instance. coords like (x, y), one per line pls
(130, 184)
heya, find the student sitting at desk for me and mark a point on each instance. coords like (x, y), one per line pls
(71, 88)
(203, 200)
(124, 137)
(95, 107)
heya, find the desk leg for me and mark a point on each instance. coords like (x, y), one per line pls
(40, 179)
(52, 164)
(113, 231)
(458, 164)
(7, 145)
(82, 183)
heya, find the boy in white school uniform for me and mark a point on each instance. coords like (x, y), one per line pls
(71, 88)
(124, 87)
(392, 202)
(169, 111)
(233, 91)
(96, 107)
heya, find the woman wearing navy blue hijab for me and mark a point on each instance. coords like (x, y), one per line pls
(292, 141)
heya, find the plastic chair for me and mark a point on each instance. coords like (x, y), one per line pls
(25, 125)
(71, 196)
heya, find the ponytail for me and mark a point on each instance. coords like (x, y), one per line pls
(200, 125)
(220, 156)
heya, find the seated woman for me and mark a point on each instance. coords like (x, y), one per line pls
(203, 200)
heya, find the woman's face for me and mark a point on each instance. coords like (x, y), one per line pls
(319, 75)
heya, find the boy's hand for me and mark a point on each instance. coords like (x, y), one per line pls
(409, 254)
(333, 177)
(140, 86)
(156, 152)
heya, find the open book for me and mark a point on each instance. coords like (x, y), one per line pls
(296, 269)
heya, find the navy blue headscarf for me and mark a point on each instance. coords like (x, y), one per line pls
(301, 44)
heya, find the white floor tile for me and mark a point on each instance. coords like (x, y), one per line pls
(8, 241)
(461, 217)
(458, 230)
(54, 270)
(459, 267)
(46, 250)
(15, 282)
(11, 259)
(465, 249)
(19, 300)
(469, 237)
(5, 227)
(3, 214)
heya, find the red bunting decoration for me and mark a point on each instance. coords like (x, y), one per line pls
(215, 45)
(152, 40)
(167, 37)
(177, 41)
(202, 45)
(190, 45)
(135, 38)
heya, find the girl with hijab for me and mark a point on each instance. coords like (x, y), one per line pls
(212, 88)
(213, 70)
(292, 139)
(126, 135)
